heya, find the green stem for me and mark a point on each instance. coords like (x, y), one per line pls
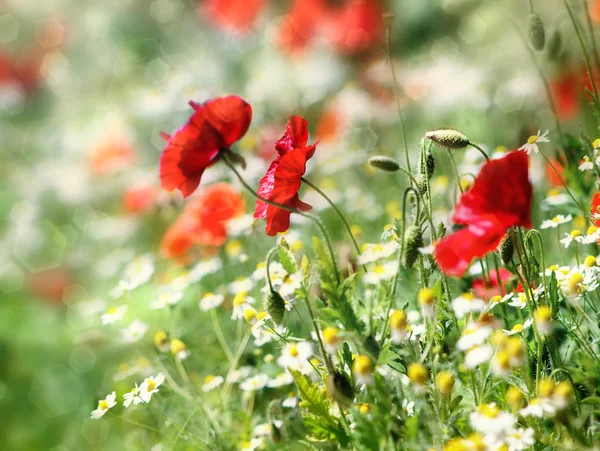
(456, 172)
(219, 334)
(592, 35)
(267, 264)
(395, 88)
(339, 213)
(288, 208)
(481, 151)
(318, 333)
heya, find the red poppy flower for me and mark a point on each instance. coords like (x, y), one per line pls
(282, 181)
(112, 153)
(139, 198)
(204, 220)
(595, 210)
(233, 14)
(499, 198)
(486, 289)
(213, 128)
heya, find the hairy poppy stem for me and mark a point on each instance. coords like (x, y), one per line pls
(481, 151)
(339, 213)
(285, 207)
(267, 264)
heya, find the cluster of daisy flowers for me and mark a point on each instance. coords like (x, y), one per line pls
(138, 394)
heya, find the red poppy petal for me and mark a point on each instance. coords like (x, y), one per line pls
(455, 252)
(265, 187)
(595, 211)
(229, 116)
(503, 189)
(290, 169)
(278, 220)
(296, 203)
(182, 168)
(295, 136)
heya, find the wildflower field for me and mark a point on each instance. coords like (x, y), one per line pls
(300, 225)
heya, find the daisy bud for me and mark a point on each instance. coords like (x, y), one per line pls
(554, 47)
(363, 368)
(398, 326)
(274, 433)
(331, 339)
(388, 18)
(275, 307)
(537, 34)
(364, 408)
(426, 301)
(161, 341)
(507, 249)
(179, 349)
(384, 163)
(340, 390)
(562, 394)
(445, 382)
(545, 387)
(501, 364)
(514, 398)
(543, 319)
(414, 240)
(418, 374)
(448, 139)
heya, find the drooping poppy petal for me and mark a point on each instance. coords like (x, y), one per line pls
(455, 252)
(500, 198)
(282, 180)
(502, 189)
(214, 126)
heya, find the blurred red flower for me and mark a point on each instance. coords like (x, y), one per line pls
(51, 284)
(204, 220)
(486, 289)
(112, 153)
(139, 198)
(282, 181)
(212, 129)
(351, 26)
(233, 14)
(595, 210)
(499, 198)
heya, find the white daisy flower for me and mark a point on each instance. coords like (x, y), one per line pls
(478, 355)
(500, 299)
(532, 142)
(210, 301)
(294, 356)
(135, 331)
(409, 407)
(373, 252)
(263, 429)
(241, 303)
(103, 406)
(237, 375)
(427, 250)
(241, 285)
(281, 380)
(592, 236)
(211, 382)
(556, 198)
(538, 407)
(132, 397)
(518, 328)
(255, 383)
(291, 401)
(519, 439)
(114, 314)
(519, 301)
(558, 271)
(473, 335)
(489, 419)
(241, 225)
(467, 303)
(203, 268)
(288, 284)
(150, 386)
(555, 221)
(586, 165)
(166, 298)
(380, 273)
(139, 271)
(253, 444)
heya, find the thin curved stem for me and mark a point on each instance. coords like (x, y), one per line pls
(267, 264)
(395, 88)
(288, 208)
(339, 213)
(481, 151)
(590, 26)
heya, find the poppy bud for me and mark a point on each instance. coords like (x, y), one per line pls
(537, 34)
(339, 389)
(274, 433)
(275, 306)
(235, 158)
(371, 346)
(441, 230)
(507, 249)
(448, 139)
(388, 18)
(384, 163)
(414, 240)
(422, 184)
(554, 47)
(429, 165)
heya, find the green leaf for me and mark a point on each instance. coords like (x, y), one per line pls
(286, 257)
(313, 398)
